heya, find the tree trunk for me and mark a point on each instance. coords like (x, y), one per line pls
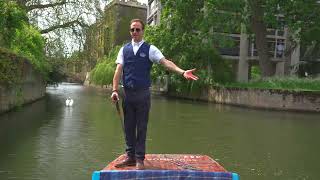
(287, 54)
(260, 31)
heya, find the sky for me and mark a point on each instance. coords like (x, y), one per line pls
(143, 1)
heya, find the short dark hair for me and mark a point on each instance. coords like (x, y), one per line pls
(137, 20)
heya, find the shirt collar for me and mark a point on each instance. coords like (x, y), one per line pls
(137, 43)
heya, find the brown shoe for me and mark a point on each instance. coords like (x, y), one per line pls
(129, 161)
(139, 164)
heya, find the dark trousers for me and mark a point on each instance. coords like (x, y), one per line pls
(136, 106)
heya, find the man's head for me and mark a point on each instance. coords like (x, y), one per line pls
(136, 29)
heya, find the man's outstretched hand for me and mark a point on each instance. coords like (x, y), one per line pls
(188, 74)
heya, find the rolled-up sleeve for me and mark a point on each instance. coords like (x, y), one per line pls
(155, 54)
(120, 57)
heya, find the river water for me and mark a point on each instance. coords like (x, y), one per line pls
(47, 140)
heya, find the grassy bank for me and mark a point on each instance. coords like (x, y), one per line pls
(288, 83)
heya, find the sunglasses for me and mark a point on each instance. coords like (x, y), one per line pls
(135, 29)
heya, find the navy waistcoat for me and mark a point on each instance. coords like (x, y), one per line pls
(136, 68)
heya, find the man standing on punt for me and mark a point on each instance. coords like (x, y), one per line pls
(134, 62)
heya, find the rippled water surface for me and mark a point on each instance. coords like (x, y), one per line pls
(47, 140)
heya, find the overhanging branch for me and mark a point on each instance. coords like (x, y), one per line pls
(65, 25)
(42, 6)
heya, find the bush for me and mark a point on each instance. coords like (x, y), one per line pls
(32, 47)
(284, 83)
(188, 50)
(103, 73)
(9, 67)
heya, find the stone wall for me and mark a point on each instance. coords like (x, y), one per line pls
(270, 99)
(259, 98)
(31, 87)
(253, 98)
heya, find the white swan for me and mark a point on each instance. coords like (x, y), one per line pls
(69, 102)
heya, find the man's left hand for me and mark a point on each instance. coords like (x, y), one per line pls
(188, 74)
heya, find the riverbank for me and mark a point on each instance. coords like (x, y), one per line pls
(287, 100)
(28, 86)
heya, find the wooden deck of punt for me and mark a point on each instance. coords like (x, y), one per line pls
(168, 166)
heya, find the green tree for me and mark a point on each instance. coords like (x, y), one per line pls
(300, 17)
(11, 18)
(19, 36)
(303, 22)
(183, 37)
(59, 20)
(103, 72)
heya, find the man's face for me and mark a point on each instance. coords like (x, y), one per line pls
(136, 31)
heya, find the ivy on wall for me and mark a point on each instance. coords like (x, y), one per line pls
(19, 40)
(10, 68)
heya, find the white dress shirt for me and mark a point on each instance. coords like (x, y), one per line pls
(154, 53)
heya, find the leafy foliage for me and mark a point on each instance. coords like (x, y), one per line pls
(255, 73)
(56, 73)
(20, 37)
(299, 16)
(61, 20)
(9, 67)
(32, 46)
(11, 18)
(292, 83)
(184, 37)
(102, 74)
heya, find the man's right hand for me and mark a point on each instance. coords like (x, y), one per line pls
(114, 96)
